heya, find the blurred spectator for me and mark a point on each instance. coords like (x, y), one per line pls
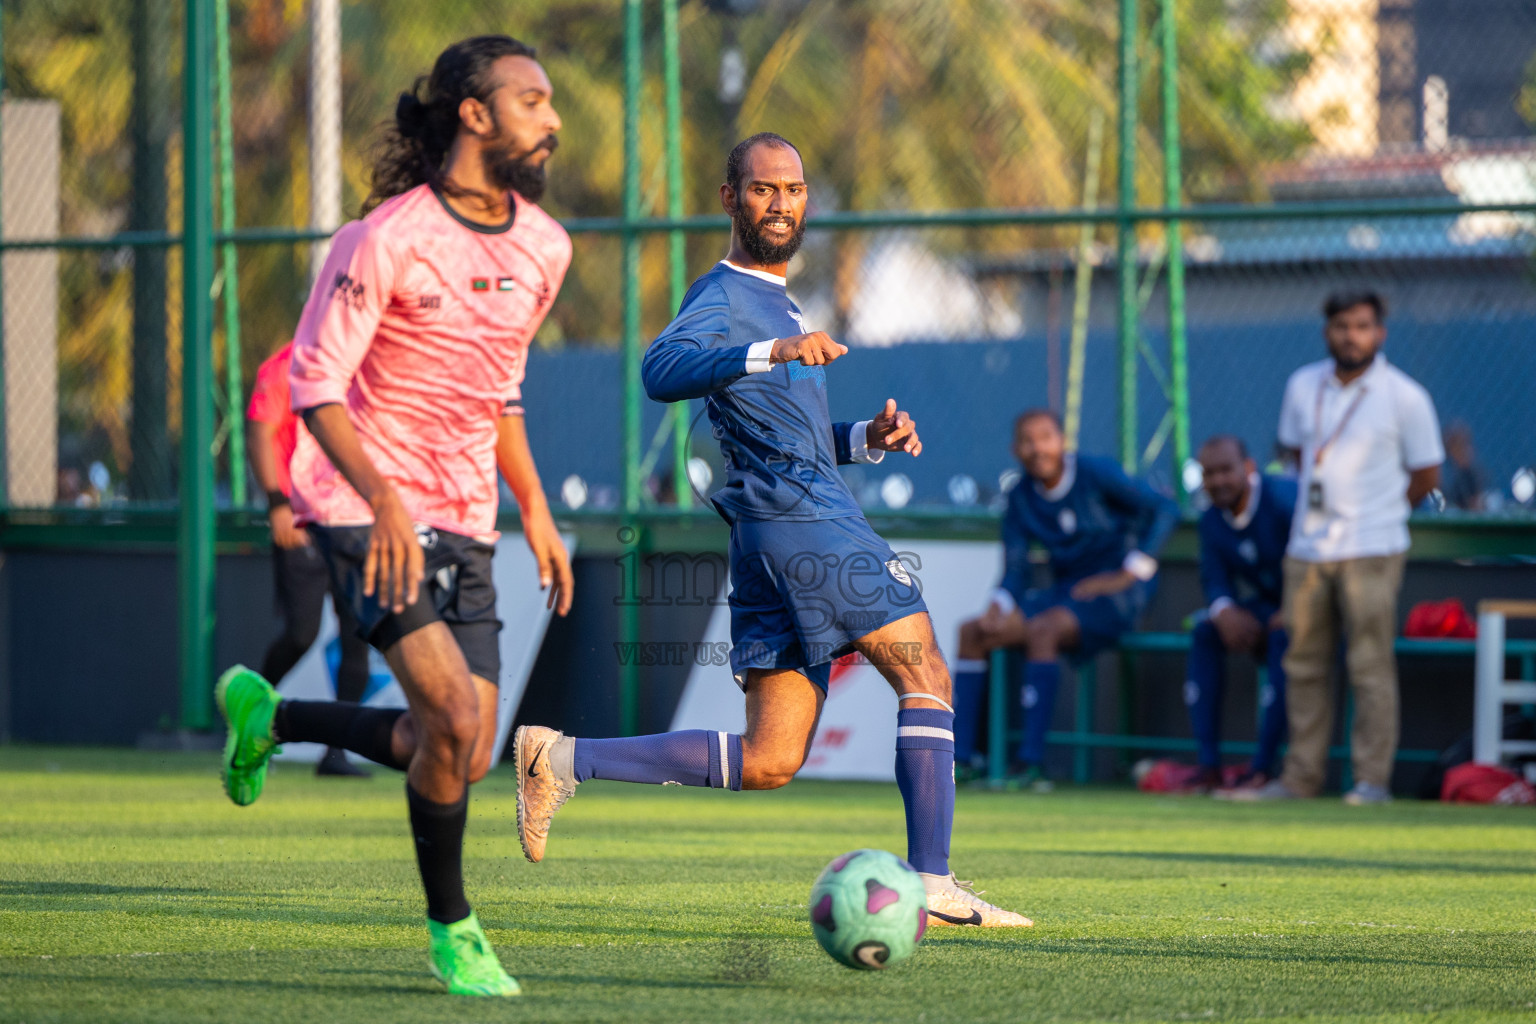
(1466, 481)
(1102, 532)
(71, 486)
(1242, 545)
(300, 577)
(1367, 442)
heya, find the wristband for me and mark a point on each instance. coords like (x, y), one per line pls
(1140, 565)
(276, 499)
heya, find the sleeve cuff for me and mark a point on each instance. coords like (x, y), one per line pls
(1220, 605)
(311, 396)
(759, 356)
(1003, 600)
(1141, 565)
(858, 445)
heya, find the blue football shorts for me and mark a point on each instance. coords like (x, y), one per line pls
(1101, 621)
(802, 592)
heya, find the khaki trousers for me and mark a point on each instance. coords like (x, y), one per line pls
(1357, 597)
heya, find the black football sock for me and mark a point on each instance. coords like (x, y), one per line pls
(439, 833)
(363, 730)
(353, 671)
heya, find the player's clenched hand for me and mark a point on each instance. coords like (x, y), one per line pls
(814, 349)
(1238, 628)
(554, 562)
(893, 431)
(393, 568)
(993, 620)
(284, 533)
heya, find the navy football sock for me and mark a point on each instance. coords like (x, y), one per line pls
(1041, 681)
(970, 697)
(1202, 691)
(925, 773)
(696, 757)
(1272, 723)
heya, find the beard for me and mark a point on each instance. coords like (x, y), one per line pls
(756, 243)
(1350, 364)
(510, 171)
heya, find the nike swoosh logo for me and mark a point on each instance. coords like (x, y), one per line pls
(975, 917)
(533, 772)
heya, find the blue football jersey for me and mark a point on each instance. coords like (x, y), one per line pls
(1094, 517)
(1245, 563)
(780, 446)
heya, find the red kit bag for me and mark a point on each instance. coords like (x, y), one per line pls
(1440, 620)
(1485, 784)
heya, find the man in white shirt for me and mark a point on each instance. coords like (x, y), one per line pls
(1366, 440)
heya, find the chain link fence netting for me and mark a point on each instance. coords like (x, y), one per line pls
(924, 105)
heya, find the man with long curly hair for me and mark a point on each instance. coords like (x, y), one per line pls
(407, 368)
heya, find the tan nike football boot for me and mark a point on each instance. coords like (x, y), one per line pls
(953, 902)
(545, 781)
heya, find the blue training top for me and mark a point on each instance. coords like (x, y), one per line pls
(1095, 516)
(780, 446)
(1243, 562)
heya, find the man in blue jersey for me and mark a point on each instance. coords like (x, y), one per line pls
(810, 580)
(1102, 532)
(1242, 547)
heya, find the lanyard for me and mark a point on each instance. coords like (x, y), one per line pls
(1317, 420)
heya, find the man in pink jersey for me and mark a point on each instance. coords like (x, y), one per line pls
(300, 578)
(408, 367)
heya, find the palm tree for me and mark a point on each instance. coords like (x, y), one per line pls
(896, 104)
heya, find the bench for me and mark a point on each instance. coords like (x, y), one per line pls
(1083, 740)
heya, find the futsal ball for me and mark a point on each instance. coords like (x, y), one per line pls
(869, 909)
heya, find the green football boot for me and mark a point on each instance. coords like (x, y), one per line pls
(463, 960)
(247, 703)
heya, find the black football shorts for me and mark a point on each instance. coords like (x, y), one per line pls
(456, 589)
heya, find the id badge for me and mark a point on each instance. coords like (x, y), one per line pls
(1315, 496)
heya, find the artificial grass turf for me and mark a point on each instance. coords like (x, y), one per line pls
(131, 890)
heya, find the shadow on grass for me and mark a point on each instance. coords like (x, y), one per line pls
(1141, 949)
(554, 919)
(1305, 863)
(10, 887)
(426, 987)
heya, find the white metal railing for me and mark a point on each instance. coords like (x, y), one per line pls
(1493, 691)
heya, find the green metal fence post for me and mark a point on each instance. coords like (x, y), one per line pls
(629, 626)
(151, 474)
(997, 719)
(676, 240)
(196, 513)
(1173, 174)
(1082, 718)
(1126, 235)
(234, 389)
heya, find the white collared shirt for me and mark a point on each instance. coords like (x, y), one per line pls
(1364, 473)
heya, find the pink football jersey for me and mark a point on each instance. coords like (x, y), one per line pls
(419, 323)
(270, 404)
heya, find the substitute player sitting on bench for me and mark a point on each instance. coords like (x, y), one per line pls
(1242, 547)
(1102, 532)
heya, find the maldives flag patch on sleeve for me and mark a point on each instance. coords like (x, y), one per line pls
(481, 284)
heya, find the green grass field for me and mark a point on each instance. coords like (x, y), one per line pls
(130, 890)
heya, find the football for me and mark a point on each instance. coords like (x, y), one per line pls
(869, 909)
